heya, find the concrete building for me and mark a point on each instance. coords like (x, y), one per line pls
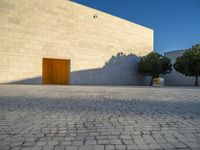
(62, 42)
(175, 78)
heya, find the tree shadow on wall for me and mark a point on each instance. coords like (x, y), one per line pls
(120, 69)
(34, 80)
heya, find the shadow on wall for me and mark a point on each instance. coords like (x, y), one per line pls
(177, 79)
(35, 80)
(120, 69)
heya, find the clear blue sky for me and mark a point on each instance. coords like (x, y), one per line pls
(176, 23)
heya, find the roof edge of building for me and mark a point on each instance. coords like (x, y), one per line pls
(113, 16)
(175, 51)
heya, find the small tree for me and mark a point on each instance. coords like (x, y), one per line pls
(189, 63)
(154, 65)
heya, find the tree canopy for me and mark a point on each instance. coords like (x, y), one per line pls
(154, 65)
(189, 63)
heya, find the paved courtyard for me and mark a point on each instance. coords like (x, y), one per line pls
(98, 118)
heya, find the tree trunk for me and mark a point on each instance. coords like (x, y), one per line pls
(151, 83)
(196, 81)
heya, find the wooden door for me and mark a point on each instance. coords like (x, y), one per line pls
(56, 71)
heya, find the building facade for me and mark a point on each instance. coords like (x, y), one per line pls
(62, 42)
(175, 78)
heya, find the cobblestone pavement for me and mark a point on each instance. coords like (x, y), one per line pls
(98, 118)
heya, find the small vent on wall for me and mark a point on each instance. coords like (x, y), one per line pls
(95, 16)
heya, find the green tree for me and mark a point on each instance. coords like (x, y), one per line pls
(154, 65)
(189, 63)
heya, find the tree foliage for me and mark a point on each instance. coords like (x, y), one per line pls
(154, 65)
(189, 63)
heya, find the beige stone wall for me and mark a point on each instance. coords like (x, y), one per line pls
(32, 29)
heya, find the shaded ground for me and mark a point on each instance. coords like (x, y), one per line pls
(102, 118)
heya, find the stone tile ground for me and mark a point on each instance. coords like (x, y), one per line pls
(98, 118)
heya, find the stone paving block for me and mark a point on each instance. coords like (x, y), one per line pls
(118, 142)
(69, 138)
(48, 147)
(37, 148)
(120, 147)
(154, 146)
(86, 147)
(98, 147)
(15, 144)
(52, 143)
(109, 147)
(66, 143)
(103, 141)
(29, 144)
(72, 148)
(132, 147)
(125, 137)
(26, 148)
(128, 142)
(77, 143)
(90, 138)
(14, 148)
(40, 143)
(59, 147)
(91, 142)
(102, 137)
